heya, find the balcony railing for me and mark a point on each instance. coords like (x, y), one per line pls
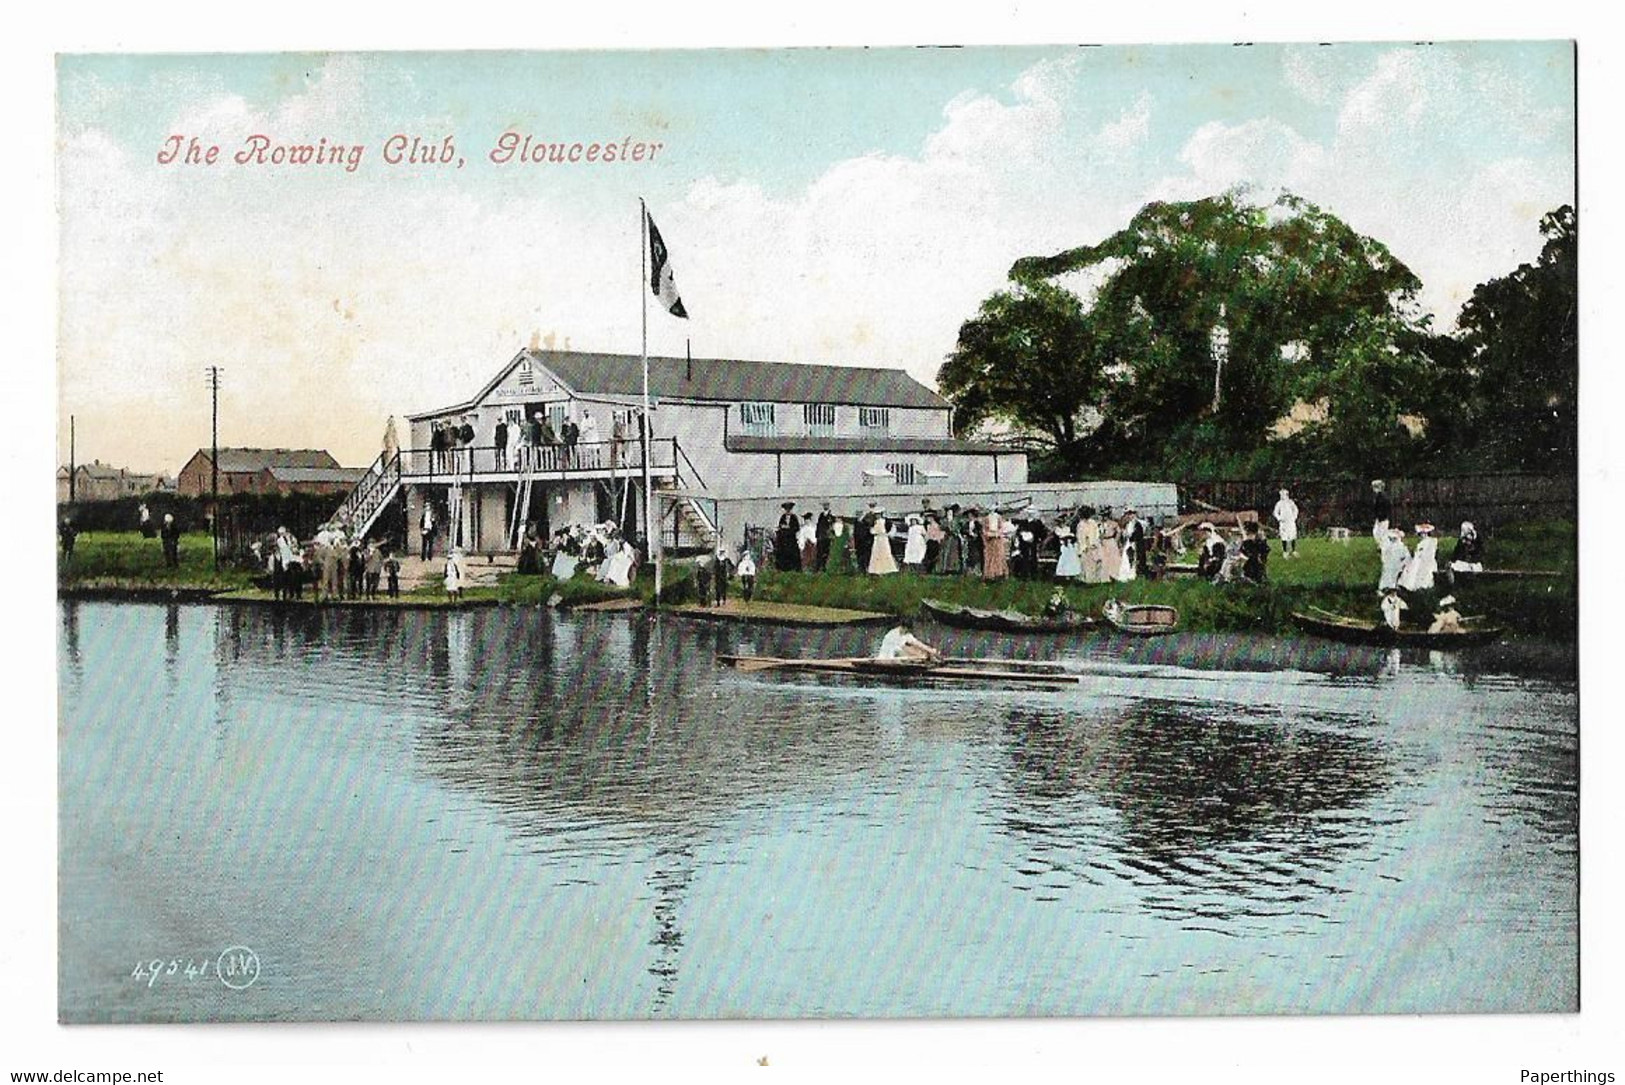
(557, 461)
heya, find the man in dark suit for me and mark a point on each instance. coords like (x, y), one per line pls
(824, 535)
(500, 439)
(1134, 532)
(571, 434)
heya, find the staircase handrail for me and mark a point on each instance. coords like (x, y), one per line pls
(677, 451)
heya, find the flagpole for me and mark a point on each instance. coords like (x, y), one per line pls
(651, 540)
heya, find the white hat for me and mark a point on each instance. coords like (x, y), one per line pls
(1206, 525)
(1447, 601)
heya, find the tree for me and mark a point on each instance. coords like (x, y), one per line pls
(1214, 317)
(1521, 333)
(1030, 357)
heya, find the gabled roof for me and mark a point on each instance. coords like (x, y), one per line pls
(250, 460)
(722, 379)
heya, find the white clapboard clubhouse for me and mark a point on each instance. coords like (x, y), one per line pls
(729, 440)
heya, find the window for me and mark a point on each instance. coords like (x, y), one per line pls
(903, 473)
(820, 419)
(875, 418)
(555, 417)
(758, 419)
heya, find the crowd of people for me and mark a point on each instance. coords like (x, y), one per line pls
(533, 443)
(601, 550)
(1084, 545)
(333, 565)
(1407, 572)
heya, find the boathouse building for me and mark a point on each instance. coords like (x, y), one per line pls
(728, 440)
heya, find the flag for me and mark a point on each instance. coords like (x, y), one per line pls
(661, 282)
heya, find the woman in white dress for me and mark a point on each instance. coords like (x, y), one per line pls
(1068, 565)
(914, 546)
(617, 567)
(1395, 556)
(881, 562)
(1090, 554)
(1111, 546)
(1418, 573)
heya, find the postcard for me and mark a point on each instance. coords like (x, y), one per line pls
(818, 533)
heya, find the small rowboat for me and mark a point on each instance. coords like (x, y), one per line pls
(1003, 621)
(1377, 634)
(1141, 619)
(1000, 671)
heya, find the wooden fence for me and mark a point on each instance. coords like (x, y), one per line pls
(1489, 501)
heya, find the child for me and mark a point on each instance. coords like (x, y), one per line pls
(1392, 605)
(722, 569)
(747, 574)
(392, 571)
(454, 575)
(373, 569)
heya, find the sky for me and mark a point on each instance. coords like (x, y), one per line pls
(844, 206)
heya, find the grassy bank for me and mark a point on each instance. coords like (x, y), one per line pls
(124, 560)
(1330, 575)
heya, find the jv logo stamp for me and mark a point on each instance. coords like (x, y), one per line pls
(238, 967)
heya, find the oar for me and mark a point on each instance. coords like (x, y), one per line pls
(757, 663)
(972, 661)
(768, 663)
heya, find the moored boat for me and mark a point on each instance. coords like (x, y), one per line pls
(1378, 634)
(998, 671)
(1003, 621)
(1141, 619)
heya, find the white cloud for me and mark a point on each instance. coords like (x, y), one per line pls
(1306, 70)
(1130, 129)
(1262, 153)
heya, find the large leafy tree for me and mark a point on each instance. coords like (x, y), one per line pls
(1521, 332)
(1030, 357)
(1212, 318)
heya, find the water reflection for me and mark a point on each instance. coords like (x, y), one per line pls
(1242, 814)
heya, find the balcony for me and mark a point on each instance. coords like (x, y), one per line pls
(599, 460)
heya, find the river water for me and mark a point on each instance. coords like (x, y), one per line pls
(517, 814)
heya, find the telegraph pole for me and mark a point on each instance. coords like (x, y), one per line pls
(73, 467)
(214, 462)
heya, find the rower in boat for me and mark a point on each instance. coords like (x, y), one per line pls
(1447, 619)
(900, 645)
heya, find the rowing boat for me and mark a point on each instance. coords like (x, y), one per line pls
(1003, 621)
(1141, 619)
(955, 671)
(1348, 630)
